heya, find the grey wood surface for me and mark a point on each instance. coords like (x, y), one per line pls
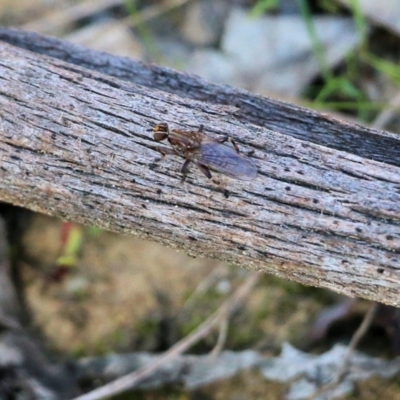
(324, 209)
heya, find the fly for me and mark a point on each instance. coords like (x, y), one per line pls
(207, 153)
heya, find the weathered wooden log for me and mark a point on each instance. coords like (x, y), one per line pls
(74, 142)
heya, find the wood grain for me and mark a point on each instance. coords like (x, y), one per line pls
(74, 143)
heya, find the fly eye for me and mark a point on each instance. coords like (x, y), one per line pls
(158, 136)
(160, 131)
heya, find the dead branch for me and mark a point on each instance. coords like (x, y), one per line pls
(355, 340)
(131, 380)
(324, 209)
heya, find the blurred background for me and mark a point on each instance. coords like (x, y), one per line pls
(87, 292)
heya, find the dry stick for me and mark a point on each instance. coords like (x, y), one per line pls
(386, 115)
(61, 20)
(154, 11)
(358, 335)
(319, 216)
(132, 21)
(205, 284)
(223, 331)
(130, 380)
(355, 340)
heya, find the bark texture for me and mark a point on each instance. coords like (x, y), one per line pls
(74, 142)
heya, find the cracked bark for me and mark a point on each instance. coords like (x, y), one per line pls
(324, 209)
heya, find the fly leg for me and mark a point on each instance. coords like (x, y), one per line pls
(164, 151)
(204, 170)
(185, 169)
(234, 144)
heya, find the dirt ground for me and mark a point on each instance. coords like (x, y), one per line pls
(123, 290)
(125, 295)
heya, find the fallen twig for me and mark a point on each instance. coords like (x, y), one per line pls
(129, 381)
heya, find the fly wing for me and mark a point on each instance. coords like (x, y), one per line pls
(227, 161)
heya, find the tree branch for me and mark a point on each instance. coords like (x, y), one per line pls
(74, 144)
